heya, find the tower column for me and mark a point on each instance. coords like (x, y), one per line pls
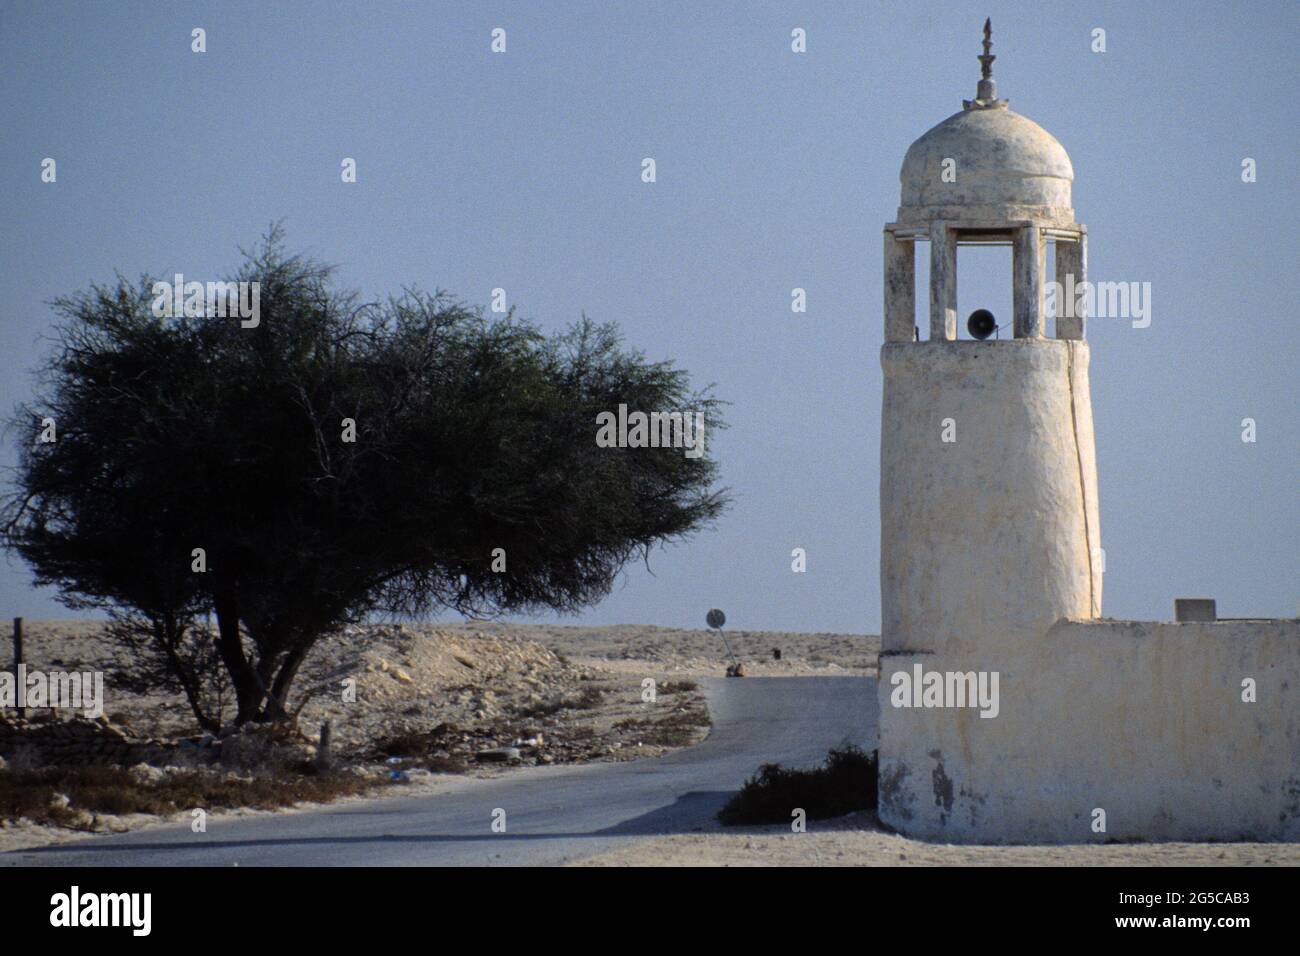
(900, 289)
(943, 282)
(1071, 260)
(1028, 266)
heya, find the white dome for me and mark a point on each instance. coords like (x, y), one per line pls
(1007, 167)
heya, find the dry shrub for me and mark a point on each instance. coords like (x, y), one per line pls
(845, 783)
(35, 794)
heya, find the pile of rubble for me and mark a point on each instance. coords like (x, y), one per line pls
(79, 741)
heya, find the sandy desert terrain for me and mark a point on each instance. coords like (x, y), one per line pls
(580, 687)
(452, 692)
(473, 676)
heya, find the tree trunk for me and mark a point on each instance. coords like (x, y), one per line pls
(172, 633)
(284, 677)
(249, 691)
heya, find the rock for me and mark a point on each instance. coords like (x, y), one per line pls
(146, 774)
(737, 670)
(402, 676)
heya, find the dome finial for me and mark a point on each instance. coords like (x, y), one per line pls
(986, 61)
(986, 94)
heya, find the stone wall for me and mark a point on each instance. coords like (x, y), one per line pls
(78, 741)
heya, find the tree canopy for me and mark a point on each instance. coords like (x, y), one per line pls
(336, 459)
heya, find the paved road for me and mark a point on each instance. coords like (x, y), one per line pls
(553, 814)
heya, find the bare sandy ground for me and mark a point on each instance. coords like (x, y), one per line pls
(857, 841)
(703, 653)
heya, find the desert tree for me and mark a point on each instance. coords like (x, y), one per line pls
(339, 459)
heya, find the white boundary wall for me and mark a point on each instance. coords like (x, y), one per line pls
(1145, 721)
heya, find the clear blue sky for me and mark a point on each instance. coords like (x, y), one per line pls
(775, 170)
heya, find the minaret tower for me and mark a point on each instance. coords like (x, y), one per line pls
(988, 482)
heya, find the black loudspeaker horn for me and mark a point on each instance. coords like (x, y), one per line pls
(981, 324)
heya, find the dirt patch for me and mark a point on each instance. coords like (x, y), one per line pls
(87, 798)
(857, 841)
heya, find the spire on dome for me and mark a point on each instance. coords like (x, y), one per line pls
(986, 61)
(986, 94)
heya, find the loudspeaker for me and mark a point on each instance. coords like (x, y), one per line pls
(981, 324)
